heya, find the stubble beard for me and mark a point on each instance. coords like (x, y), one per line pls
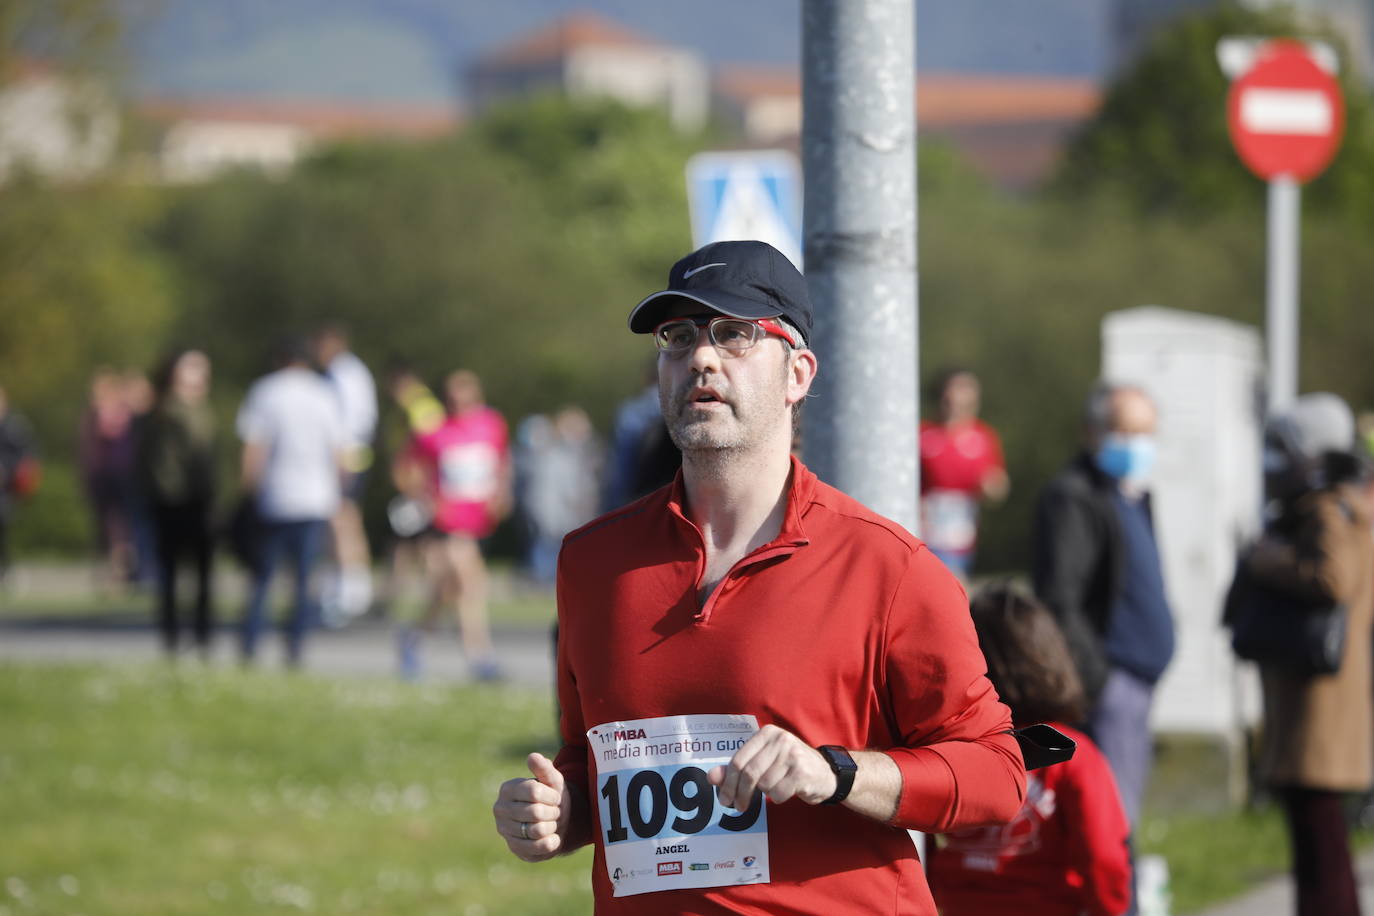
(713, 441)
(701, 433)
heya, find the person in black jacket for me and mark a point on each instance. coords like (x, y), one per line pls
(175, 461)
(1097, 567)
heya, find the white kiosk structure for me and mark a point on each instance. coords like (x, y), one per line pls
(1206, 375)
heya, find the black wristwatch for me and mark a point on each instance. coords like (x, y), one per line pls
(844, 768)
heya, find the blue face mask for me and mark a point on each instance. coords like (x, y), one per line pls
(1126, 457)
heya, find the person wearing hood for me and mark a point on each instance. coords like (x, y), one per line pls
(1317, 743)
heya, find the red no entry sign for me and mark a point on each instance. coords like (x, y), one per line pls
(1285, 113)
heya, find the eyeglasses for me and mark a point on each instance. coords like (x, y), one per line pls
(678, 336)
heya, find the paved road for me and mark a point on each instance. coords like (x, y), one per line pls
(1275, 898)
(367, 648)
(363, 648)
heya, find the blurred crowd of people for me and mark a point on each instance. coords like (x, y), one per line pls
(1087, 649)
(152, 463)
(1083, 649)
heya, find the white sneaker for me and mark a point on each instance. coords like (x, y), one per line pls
(355, 593)
(332, 614)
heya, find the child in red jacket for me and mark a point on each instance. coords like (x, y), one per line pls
(1065, 854)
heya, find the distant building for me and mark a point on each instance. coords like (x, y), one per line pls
(56, 126)
(1136, 21)
(761, 104)
(584, 56)
(199, 138)
(1012, 129)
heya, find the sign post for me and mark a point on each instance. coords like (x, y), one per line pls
(1285, 115)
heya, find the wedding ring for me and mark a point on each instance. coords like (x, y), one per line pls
(524, 831)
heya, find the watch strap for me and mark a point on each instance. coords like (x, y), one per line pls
(843, 766)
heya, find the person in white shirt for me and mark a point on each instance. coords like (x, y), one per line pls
(293, 459)
(350, 593)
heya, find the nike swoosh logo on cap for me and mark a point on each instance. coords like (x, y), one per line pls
(697, 270)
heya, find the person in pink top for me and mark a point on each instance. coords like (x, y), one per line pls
(961, 466)
(466, 464)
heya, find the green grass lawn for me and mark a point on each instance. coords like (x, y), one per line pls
(1215, 850)
(145, 789)
(150, 790)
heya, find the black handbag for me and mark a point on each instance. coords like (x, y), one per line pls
(244, 533)
(1272, 628)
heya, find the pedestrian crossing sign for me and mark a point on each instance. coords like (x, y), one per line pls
(747, 195)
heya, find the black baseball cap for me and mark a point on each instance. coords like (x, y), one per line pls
(742, 279)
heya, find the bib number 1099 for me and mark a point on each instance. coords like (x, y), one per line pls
(648, 801)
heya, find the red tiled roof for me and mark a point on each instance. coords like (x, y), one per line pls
(24, 67)
(323, 119)
(555, 41)
(745, 83)
(947, 99)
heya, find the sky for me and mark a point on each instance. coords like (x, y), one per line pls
(416, 50)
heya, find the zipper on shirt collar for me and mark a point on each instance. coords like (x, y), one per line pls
(789, 539)
(762, 554)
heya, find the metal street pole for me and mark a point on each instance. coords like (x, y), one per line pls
(1281, 293)
(859, 161)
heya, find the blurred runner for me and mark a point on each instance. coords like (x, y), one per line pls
(350, 593)
(961, 465)
(467, 469)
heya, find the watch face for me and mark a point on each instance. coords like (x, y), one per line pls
(844, 768)
(839, 758)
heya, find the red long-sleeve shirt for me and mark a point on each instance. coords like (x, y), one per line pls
(1065, 854)
(844, 630)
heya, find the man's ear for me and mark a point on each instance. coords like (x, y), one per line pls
(800, 374)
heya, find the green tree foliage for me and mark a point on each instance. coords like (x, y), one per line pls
(73, 34)
(514, 249)
(1160, 140)
(80, 287)
(1017, 290)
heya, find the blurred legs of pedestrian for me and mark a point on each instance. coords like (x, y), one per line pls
(301, 542)
(458, 581)
(1323, 874)
(350, 594)
(4, 543)
(145, 565)
(184, 530)
(114, 533)
(543, 558)
(1120, 724)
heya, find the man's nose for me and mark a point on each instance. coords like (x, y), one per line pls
(704, 355)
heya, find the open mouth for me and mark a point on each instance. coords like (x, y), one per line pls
(704, 396)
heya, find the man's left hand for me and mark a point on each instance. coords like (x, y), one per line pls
(777, 763)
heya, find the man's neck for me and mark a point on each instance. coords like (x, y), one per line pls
(737, 500)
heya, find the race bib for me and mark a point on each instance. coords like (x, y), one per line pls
(469, 472)
(661, 825)
(949, 519)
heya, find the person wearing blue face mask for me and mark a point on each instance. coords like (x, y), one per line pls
(1097, 567)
